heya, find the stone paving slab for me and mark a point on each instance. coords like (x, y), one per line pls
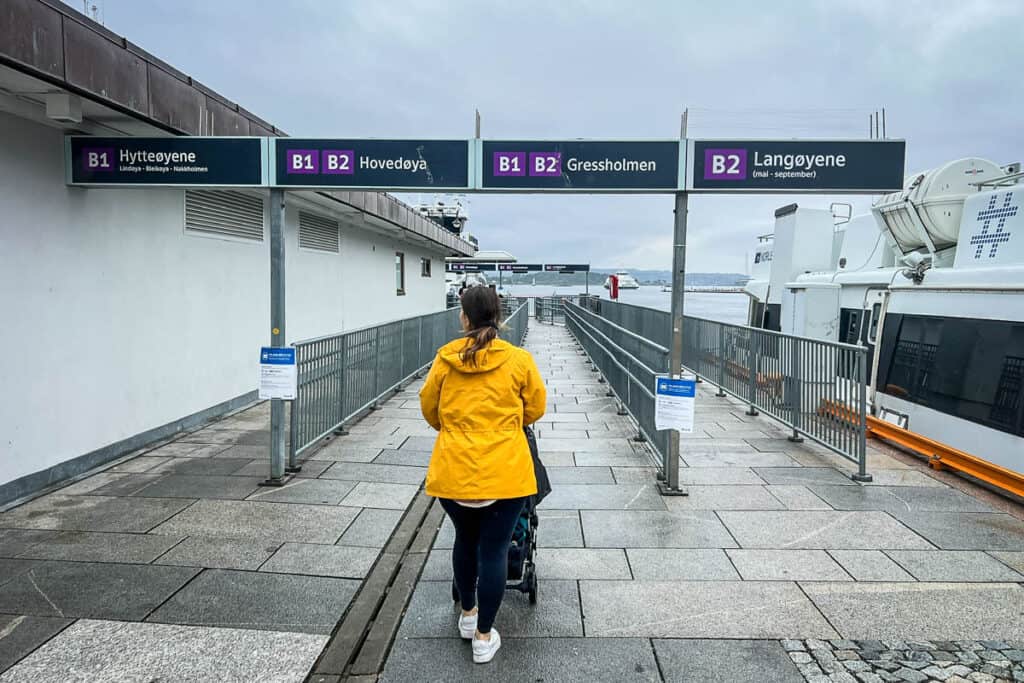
(953, 565)
(870, 565)
(633, 475)
(142, 464)
(372, 528)
(603, 497)
(805, 476)
(700, 609)
(126, 485)
(84, 589)
(92, 513)
(186, 447)
(582, 563)
(14, 542)
(724, 498)
(86, 546)
(10, 569)
(89, 484)
(113, 652)
(921, 610)
(794, 497)
(786, 565)
(1013, 560)
(900, 477)
(311, 491)
(346, 453)
(390, 474)
(557, 529)
(219, 553)
(607, 459)
(673, 564)
(339, 561)
(379, 495)
(732, 458)
(199, 486)
(252, 520)
(966, 530)
(566, 660)
(253, 600)
(580, 475)
(432, 614)
(654, 529)
(899, 498)
(410, 458)
(747, 661)
(20, 635)
(821, 530)
(201, 466)
(719, 476)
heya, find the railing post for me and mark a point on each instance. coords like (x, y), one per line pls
(420, 361)
(342, 385)
(753, 360)
(862, 410)
(796, 398)
(376, 370)
(721, 361)
(294, 423)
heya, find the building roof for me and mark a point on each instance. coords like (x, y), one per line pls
(45, 45)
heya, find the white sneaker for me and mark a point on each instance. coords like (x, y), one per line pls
(467, 626)
(484, 650)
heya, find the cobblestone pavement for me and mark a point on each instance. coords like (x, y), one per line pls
(895, 661)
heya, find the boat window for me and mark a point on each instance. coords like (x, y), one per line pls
(972, 369)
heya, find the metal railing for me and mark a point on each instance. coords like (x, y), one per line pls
(816, 387)
(629, 363)
(548, 309)
(342, 375)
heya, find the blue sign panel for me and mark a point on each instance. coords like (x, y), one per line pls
(383, 164)
(168, 161)
(685, 388)
(579, 165)
(271, 355)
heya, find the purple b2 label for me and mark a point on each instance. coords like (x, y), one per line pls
(546, 164)
(303, 161)
(725, 164)
(98, 158)
(510, 163)
(339, 161)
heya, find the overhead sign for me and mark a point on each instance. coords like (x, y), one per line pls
(278, 375)
(674, 401)
(580, 165)
(832, 166)
(378, 164)
(173, 161)
(520, 267)
(567, 268)
(468, 267)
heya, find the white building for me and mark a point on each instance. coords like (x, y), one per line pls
(132, 313)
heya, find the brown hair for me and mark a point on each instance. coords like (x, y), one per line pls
(483, 310)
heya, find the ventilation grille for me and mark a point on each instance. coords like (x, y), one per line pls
(317, 232)
(227, 213)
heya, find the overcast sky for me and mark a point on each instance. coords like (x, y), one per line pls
(948, 74)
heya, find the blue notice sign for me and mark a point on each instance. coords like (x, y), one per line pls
(674, 401)
(278, 376)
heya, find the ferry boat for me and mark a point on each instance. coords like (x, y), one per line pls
(931, 281)
(626, 281)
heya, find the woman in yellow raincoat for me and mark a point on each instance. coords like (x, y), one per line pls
(480, 393)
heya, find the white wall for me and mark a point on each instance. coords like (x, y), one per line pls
(118, 321)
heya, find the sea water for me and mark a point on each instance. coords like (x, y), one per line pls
(727, 308)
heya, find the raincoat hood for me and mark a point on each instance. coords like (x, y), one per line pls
(492, 357)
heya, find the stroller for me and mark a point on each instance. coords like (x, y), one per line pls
(522, 570)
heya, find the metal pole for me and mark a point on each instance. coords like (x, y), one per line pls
(883, 123)
(752, 358)
(796, 399)
(721, 361)
(862, 426)
(277, 336)
(670, 487)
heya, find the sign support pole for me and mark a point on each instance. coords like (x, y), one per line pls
(670, 485)
(277, 336)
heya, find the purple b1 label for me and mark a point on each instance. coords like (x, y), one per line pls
(339, 161)
(98, 158)
(725, 164)
(510, 163)
(303, 161)
(546, 164)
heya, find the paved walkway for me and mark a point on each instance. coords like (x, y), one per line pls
(173, 565)
(776, 567)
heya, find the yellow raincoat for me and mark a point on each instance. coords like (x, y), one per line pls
(481, 451)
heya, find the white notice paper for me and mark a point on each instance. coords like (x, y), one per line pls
(278, 376)
(674, 401)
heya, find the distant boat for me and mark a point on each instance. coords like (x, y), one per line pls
(626, 281)
(666, 288)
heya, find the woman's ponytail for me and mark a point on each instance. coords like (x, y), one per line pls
(483, 311)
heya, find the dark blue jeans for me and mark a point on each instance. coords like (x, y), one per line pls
(480, 555)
